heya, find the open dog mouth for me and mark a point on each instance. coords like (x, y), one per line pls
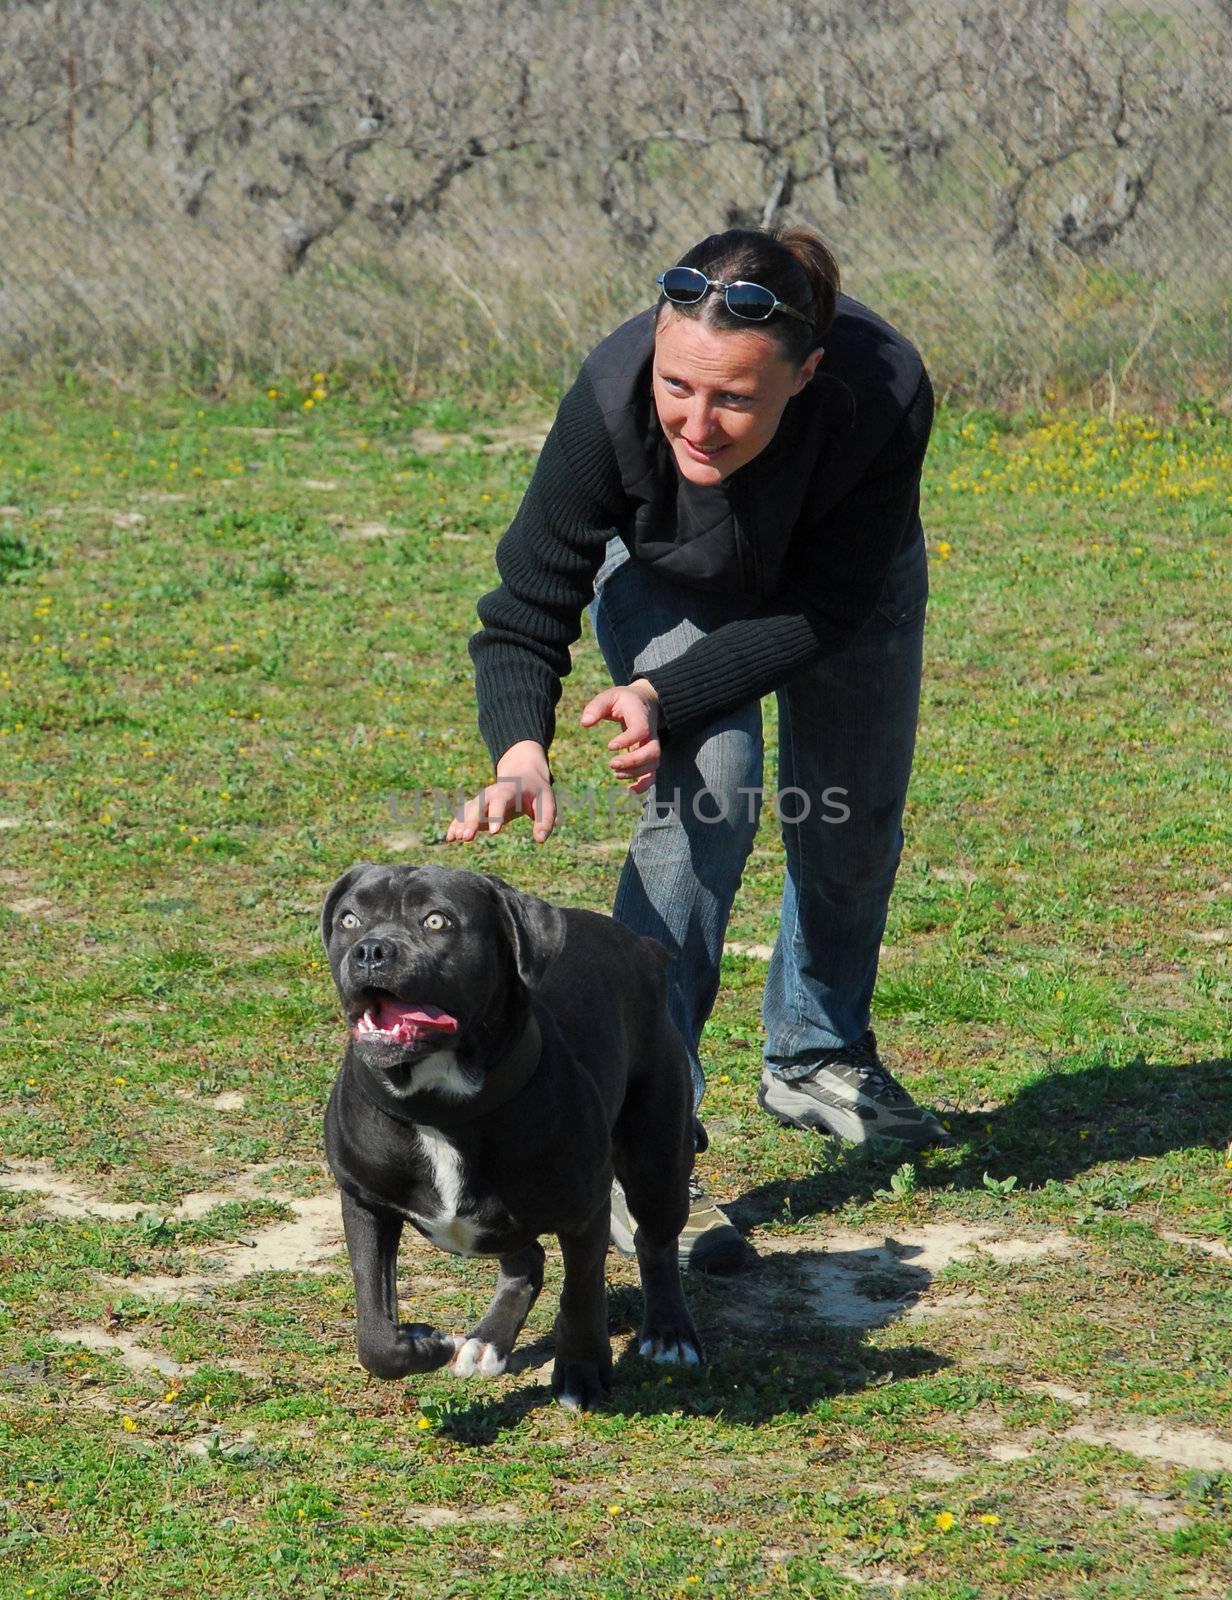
(399, 1022)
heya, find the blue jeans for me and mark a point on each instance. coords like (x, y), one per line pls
(846, 740)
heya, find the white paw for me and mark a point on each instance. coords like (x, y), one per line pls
(683, 1353)
(473, 1356)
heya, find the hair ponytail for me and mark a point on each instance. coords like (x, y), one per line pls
(817, 259)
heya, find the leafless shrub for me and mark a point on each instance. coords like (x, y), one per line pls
(482, 191)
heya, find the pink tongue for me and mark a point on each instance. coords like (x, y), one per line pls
(391, 1015)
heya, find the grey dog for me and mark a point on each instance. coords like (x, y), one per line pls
(505, 1058)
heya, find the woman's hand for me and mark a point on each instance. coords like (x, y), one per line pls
(523, 787)
(636, 705)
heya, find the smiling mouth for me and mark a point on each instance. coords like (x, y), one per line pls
(698, 450)
(394, 1021)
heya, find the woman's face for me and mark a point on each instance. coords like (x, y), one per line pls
(720, 393)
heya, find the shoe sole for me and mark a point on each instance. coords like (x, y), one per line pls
(844, 1125)
(728, 1251)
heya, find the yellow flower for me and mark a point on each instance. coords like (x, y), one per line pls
(944, 1520)
(129, 1425)
(614, 1511)
(423, 1423)
(318, 394)
(308, 405)
(990, 1519)
(272, 393)
(318, 377)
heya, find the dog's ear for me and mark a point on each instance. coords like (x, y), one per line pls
(338, 889)
(536, 929)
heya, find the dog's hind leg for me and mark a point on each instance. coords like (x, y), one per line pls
(656, 1184)
(485, 1349)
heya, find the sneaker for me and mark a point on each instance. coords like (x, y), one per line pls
(851, 1093)
(709, 1242)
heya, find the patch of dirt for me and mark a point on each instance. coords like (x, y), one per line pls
(136, 1357)
(35, 906)
(1160, 1509)
(309, 1243)
(857, 1280)
(1060, 1391)
(366, 530)
(430, 441)
(447, 1517)
(1152, 1441)
(1211, 1247)
(260, 433)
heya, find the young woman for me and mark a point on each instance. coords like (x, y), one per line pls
(732, 485)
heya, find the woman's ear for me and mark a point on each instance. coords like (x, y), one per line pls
(807, 368)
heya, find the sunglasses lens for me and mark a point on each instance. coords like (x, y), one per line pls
(684, 285)
(749, 300)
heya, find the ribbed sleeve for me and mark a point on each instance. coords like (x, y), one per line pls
(547, 561)
(835, 573)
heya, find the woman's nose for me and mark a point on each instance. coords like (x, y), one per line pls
(701, 421)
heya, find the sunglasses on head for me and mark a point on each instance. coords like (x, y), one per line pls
(685, 286)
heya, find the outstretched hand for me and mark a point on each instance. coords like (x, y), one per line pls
(636, 706)
(523, 787)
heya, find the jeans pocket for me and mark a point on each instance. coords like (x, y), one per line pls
(904, 594)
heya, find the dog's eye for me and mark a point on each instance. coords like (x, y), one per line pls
(435, 921)
(348, 920)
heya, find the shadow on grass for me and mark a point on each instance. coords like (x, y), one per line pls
(1054, 1128)
(773, 1345)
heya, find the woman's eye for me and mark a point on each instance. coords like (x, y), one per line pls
(349, 920)
(435, 921)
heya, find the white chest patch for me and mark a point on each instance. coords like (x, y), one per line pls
(440, 1071)
(446, 1228)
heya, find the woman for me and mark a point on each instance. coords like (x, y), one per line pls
(732, 485)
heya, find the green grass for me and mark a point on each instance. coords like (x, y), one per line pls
(230, 659)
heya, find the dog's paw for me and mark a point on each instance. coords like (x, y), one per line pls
(579, 1385)
(684, 1350)
(473, 1356)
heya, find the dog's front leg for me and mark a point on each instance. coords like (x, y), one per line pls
(485, 1349)
(387, 1348)
(582, 1373)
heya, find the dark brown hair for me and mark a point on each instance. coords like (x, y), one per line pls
(795, 264)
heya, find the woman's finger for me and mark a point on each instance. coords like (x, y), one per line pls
(501, 803)
(600, 707)
(644, 759)
(544, 813)
(464, 826)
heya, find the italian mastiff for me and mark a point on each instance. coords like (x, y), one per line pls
(506, 1057)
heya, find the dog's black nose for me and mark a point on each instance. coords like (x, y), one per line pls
(371, 953)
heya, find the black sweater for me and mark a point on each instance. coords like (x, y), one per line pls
(806, 530)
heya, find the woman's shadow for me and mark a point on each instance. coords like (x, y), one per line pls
(1055, 1128)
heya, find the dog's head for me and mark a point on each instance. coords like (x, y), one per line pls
(431, 964)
